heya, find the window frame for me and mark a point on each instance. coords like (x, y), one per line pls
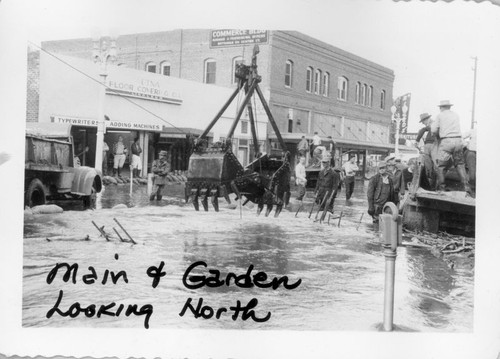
(383, 99)
(357, 99)
(364, 90)
(370, 96)
(317, 82)
(341, 91)
(325, 84)
(163, 65)
(289, 73)
(206, 73)
(309, 79)
(147, 66)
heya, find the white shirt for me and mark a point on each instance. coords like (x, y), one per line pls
(316, 140)
(350, 168)
(300, 174)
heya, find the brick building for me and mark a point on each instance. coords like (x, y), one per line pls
(311, 86)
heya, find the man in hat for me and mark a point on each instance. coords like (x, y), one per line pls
(327, 184)
(303, 147)
(300, 177)
(428, 154)
(136, 157)
(396, 175)
(350, 168)
(120, 154)
(160, 168)
(380, 191)
(446, 126)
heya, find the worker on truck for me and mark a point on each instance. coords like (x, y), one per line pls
(446, 126)
(429, 148)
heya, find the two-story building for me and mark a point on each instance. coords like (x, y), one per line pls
(311, 86)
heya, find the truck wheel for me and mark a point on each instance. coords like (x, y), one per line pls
(89, 202)
(35, 194)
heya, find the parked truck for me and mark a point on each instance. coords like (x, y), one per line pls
(52, 172)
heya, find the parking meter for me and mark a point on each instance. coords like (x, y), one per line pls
(390, 226)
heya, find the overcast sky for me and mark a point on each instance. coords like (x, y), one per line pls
(428, 45)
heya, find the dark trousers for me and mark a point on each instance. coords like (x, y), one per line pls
(349, 186)
(301, 192)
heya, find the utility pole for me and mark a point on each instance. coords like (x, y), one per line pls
(474, 93)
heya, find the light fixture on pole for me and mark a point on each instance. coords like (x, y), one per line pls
(101, 55)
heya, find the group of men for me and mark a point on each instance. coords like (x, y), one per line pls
(160, 167)
(443, 148)
(119, 155)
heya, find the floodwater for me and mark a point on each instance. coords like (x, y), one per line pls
(341, 269)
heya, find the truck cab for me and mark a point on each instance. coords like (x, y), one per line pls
(52, 172)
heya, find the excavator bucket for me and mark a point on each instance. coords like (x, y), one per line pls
(216, 172)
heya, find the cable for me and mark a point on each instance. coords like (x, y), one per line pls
(110, 89)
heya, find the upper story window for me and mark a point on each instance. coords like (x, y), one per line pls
(358, 93)
(364, 90)
(236, 61)
(382, 100)
(288, 73)
(317, 81)
(309, 79)
(342, 88)
(210, 71)
(369, 96)
(165, 68)
(244, 127)
(326, 84)
(151, 67)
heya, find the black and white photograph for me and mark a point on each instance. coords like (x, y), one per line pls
(249, 179)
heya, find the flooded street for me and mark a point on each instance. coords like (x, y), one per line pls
(341, 268)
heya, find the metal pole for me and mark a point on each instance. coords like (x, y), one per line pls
(396, 147)
(474, 94)
(390, 274)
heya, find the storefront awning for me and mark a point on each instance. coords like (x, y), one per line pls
(339, 142)
(181, 132)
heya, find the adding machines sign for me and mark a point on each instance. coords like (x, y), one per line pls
(122, 125)
(228, 37)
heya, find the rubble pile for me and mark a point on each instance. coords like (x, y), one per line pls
(455, 250)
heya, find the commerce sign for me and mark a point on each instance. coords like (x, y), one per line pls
(228, 37)
(111, 124)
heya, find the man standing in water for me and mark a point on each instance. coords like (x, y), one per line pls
(120, 153)
(328, 183)
(160, 168)
(380, 191)
(350, 169)
(300, 178)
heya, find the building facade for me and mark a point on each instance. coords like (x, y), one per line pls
(311, 86)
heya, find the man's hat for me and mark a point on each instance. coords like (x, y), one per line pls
(390, 157)
(382, 164)
(424, 116)
(445, 103)
(163, 153)
(326, 157)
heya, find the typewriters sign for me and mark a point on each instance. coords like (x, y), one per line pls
(228, 37)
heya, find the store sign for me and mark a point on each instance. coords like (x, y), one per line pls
(146, 89)
(228, 37)
(409, 136)
(112, 125)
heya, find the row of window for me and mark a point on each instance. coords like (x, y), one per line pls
(164, 68)
(318, 82)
